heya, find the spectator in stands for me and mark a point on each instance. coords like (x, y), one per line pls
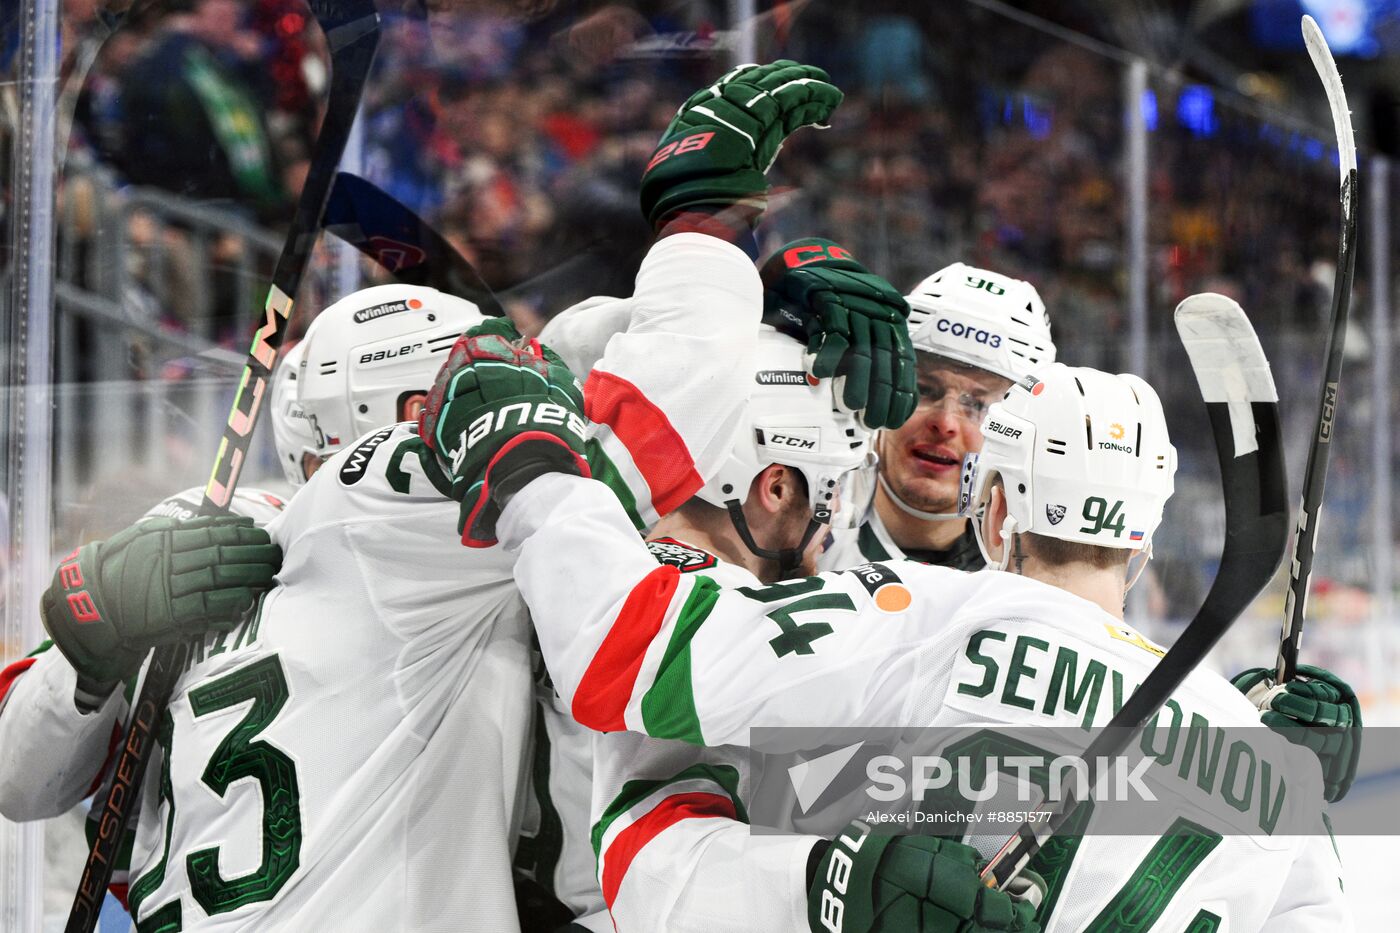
(192, 121)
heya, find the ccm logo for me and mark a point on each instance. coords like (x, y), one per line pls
(378, 355)
(1005, 430)
(959, 329)
(813, 252)
(692, 143)
(524, 413)
(791, 440)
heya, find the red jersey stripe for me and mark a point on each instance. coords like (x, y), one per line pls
(669, 812)
(656, 448)
(11, 673)
(606, 686)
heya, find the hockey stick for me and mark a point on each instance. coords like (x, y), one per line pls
(1319, 451)
(351, 28)
(379, 226)
(1243, 406)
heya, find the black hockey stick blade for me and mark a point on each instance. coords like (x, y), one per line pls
(1319, 450)
(379, 226)
(1242, 403)
(351, 28)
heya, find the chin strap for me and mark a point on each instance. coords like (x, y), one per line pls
(789, 558)
(908, 509)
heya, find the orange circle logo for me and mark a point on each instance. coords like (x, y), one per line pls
(893, 598)
(415, 304)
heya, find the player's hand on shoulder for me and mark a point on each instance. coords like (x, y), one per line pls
(716, 153)
(160, 580)
(1316, 709)
(866, 883)
(855, 325)
(502, 411)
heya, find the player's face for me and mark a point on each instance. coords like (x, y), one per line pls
(922, 460)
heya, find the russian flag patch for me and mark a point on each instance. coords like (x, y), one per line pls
(1135, 536)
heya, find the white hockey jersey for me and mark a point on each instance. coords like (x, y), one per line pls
(355, 754)
(637, 647)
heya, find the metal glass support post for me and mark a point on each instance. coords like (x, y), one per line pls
(28, 413)
(1135, 236)
(1382, 545)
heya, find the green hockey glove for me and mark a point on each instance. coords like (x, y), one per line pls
(855, 324)
(502, 411)
(1320, 712)
(717, 151)
(913, 884)
(158, 581)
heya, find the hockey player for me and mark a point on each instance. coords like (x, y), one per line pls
(385, 343)
(974, 332)
(676, 656)
(370, 598)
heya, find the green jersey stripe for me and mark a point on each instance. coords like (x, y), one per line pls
(605, 471)
(668, 707)
(634, 792)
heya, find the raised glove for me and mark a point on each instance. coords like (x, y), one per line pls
(855, 325)
(1320, 712)
(502, 411)
(718, 149)
(913, 884)
(158, 581)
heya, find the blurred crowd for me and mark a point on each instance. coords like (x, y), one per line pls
(519, 128)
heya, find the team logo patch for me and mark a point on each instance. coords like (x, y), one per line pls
(358, 461)
(673, 553)
(884, 586)
(1055, 513)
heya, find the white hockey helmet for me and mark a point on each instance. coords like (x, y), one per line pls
(1083, 456)
(258, 504)
(792, 419)
(291, 429)
(982, 319)
(370, 359)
